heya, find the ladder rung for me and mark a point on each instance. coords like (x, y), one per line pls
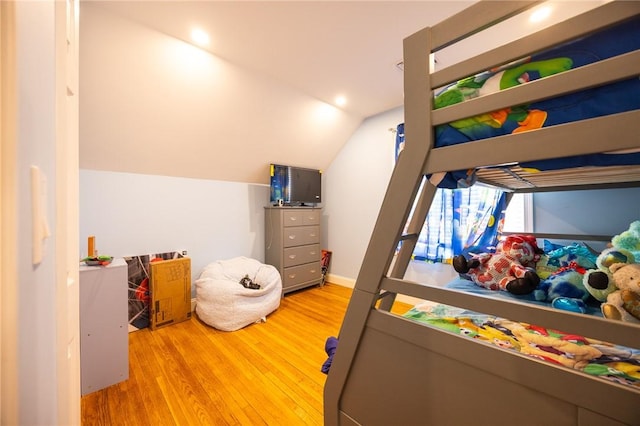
(412, 236)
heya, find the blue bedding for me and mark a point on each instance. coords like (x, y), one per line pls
(468, 286)
(610, 99)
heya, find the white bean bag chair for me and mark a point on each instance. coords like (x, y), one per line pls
(224, 303)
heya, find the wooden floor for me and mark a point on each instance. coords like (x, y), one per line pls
(192, 374)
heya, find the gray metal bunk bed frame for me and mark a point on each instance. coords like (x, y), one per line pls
(389, 370)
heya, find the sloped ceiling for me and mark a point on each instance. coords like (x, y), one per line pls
(263, 91)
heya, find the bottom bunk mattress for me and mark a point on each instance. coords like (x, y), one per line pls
(594, 357)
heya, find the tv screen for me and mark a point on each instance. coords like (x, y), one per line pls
(296, 186)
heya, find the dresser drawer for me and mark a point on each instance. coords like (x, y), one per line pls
(303, 254)
(302, 273)
(301, 217)
(311, 217)
(293, 218)
(301, 235)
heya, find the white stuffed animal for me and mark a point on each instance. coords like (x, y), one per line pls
(624, 303)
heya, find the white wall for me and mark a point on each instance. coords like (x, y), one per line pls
(354, 186)
(133, 214)
(35, 290)
(591, 212)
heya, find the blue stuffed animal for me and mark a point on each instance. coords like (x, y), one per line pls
(565, 282)
(562, 284)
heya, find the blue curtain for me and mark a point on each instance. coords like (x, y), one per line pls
(399, 139)
(464, 220)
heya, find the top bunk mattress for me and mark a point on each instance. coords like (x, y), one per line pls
(616, 97)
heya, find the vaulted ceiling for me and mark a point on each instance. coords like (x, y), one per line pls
(263, 90)
(322, 48)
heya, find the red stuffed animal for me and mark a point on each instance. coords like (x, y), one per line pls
(511, 268)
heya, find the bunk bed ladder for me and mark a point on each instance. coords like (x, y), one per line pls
(409, 241)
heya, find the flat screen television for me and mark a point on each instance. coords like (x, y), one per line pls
(295, 186)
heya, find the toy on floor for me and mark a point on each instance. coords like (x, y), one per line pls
(511, 268)
(330, 347)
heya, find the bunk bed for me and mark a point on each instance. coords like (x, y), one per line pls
(390, 369)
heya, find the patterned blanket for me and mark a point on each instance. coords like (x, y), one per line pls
(595, 357)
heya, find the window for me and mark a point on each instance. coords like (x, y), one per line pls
(519, 214)
(461, 220)
(467, 219)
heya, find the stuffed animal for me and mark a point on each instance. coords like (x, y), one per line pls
(624, 303)
(599, 282)
(562, 271)
(629, 239)
(511, 268)
(565, 282)
(557, 257)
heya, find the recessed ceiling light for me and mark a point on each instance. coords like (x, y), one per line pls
(200, 37)
(341, 101)
(540, 14)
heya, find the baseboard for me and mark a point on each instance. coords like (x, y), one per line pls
(193, 304)
(341, 281)
(351, 283)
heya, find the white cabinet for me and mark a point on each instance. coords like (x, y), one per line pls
(292, 245)
(104, 338)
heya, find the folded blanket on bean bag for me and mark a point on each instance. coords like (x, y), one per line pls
(224, 303)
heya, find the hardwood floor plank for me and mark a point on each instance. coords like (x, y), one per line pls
(264, 374)
(188, 340)
(267, 400)
(95, 409)
(155, 409)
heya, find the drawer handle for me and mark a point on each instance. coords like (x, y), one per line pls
(292, 237)
(312, 235)
(312, 253)
(292, 256)
(313, 271)
(293, 219)
(292, 276)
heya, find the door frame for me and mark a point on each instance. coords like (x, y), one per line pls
(8, 218)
